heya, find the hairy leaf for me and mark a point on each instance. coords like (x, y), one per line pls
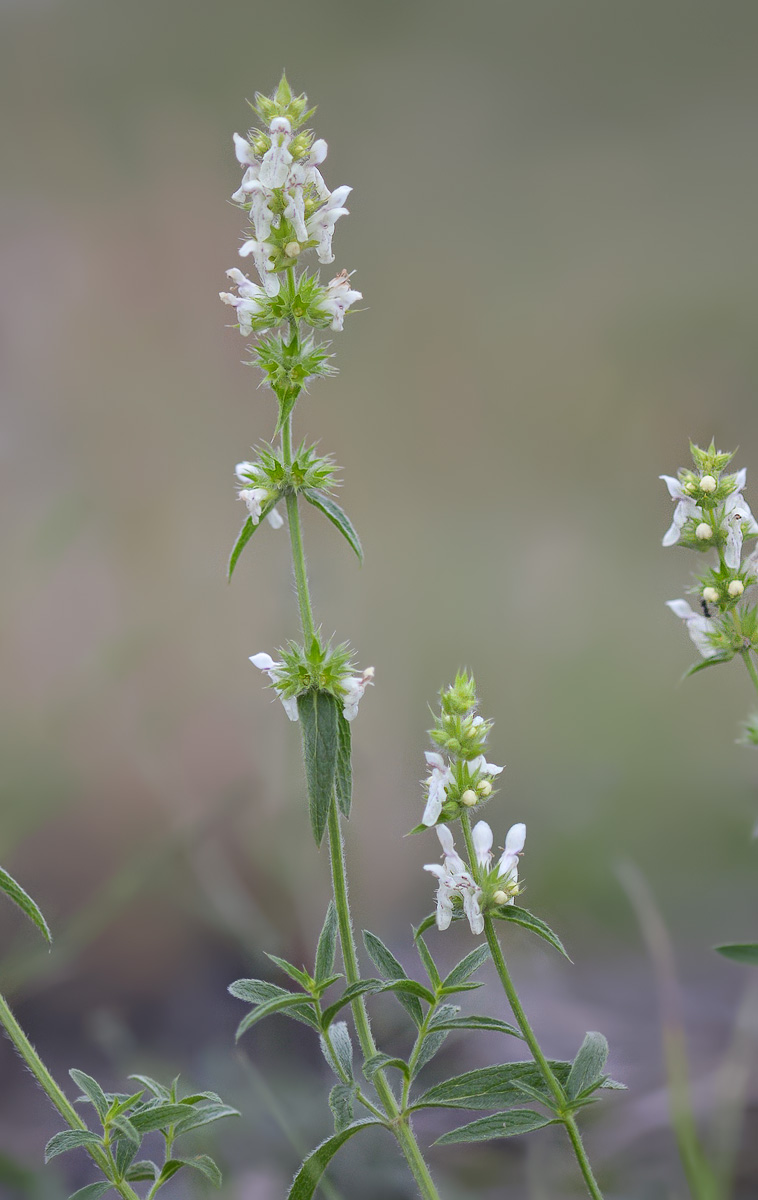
(92, 1091)
(472, 962)
(22, 900)
(338, 1050)
(361, 988)
(93, 1191)
(259, 991)
(429, 964)
(378, 1062)
(476, 1022)
(306, 1181)
(511, 912)
(318, 713)
(327, 945)
(385, 961)
(490, 1087)
(204, 1115)
(504, 1124)
(341, 1102)
(337, 516)
(142, 1170)
(343, 779)
(299, 976)
(284, 1004)
(587, 1068)
(70, 1139)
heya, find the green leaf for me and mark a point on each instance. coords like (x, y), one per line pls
(343, 779)
(504, 1124)
(124, 1129)
(385, 961)
(431, 1045)
(740, 952)
(93, 1191)
(338, 1050)
(587, 1068)
(306, 1181)
(284, 1004)
(520, 916)
(318, 718)
(472, 962)
(158, 1089)
(144, 1169)
(92, 1091)
(301, 977)
(204, 1115)
(490, 1087)
(260, 991)
(410, 987)
(378, 1062)
(126, 1152)
(429, 964)
(337, 516)
(70, 1139)
(22, 900)
(431, 920)
(475, 1022)
(361, 988)
(327, 945)
(201, 1163)
(706, 662)
(341, 1102)
(160, 1116)
(245, 533)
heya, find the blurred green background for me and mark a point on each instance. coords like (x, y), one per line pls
(553, 226)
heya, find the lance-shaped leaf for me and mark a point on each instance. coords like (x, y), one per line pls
(245, 533)
(504, 1124)
(588, 1066)
(260, 991)
(318, 713)
(93, 1191)
(283, 1004)
(337, 516)
(379, 1062)
(92, 1091)
(490, 1087)
(343, 779)
(306, 1181)
(386, 962)
(492, 1024)
(361, 988)
(22, 900)
(338, 1050)
(520, 916)
(201, 1163)
(70, 1139)
(472, 962)
(327, 945)
(741, 952)
(341, 1102)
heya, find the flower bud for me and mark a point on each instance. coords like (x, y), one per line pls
(704, 532)
(484, 787)
(710, 595)
(469, 798)
(736, 588)
(708, 484)
(500, 897)
(292, 249)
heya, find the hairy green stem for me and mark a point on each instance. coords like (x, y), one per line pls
(528, 1033)
(398, 1122)
(750, 665)
(57, 1097)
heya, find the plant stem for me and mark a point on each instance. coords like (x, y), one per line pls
(56, 1096)
(750, 668)
(399, 1123)
(554, 1086)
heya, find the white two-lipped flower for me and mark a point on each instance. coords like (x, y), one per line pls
(507, 867)
(264, 662)
(248, 303)
(699, 627)
(685, 508)
(439, 778)
(339, 297)
(256, 498)
(455, 881)
(354, 687)
(739, 520)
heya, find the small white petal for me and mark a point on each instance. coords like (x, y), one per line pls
(263, 661)
(275, 518)
(482, 837)
(445, 835)
(434, 759)
(289, 704)
(515, 838)
(243, 150)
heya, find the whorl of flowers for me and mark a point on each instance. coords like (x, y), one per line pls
(711, 513)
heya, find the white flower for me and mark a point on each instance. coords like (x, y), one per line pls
(737, 516)
(482, 837)
(276, 161)
(262, 254)
(454, 880)
(244, 151)
(264, 662)
(339, 297)
(256, 500)
(249, 182)
(321, 224)
(480, 764)
(354, 688)
(685, 508)
(249, 303)
(508, 865)
(440, 777)
(699, 627)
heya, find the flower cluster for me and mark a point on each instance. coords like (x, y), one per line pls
(291, 210)
(322, 669)
(711, 513)
(463, 779)
(456, 881)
